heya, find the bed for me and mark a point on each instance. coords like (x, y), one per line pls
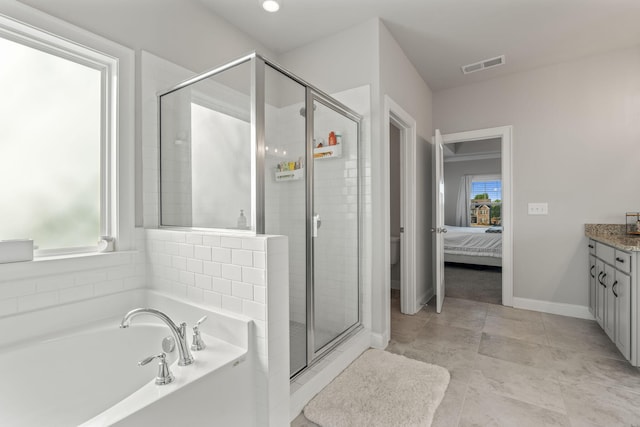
(473, 245)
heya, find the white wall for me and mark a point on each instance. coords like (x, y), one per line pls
(575, 145)
(400, 80)
(453, 171)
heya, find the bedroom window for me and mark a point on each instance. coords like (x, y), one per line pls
(57, 139)
(486, 201)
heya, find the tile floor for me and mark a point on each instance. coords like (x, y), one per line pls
(516, 367)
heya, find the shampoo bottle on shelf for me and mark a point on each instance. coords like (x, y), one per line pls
(332, 138)
(242, 220)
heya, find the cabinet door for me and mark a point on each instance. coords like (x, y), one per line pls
(600, 292)
(593, 285)
(622, 295)
(609, 302)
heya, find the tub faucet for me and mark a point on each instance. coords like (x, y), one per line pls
(179, 332)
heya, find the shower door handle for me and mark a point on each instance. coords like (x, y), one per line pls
(316, 224)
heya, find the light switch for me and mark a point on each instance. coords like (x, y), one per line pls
(538, 209)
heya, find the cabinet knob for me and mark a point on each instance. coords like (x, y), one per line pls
(618, 259)
(590, 246)
(613, 288)
(591, 271)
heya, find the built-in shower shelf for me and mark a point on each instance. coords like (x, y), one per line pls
(328, 152)
(293, 175)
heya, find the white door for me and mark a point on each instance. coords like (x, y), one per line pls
(439, 229)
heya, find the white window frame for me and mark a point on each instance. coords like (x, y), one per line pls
(486, 178)
(31, 27)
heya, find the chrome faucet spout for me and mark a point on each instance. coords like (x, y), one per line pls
(179, 332)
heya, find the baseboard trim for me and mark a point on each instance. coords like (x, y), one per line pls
(378, 341)
(563, 309)
(426, 297)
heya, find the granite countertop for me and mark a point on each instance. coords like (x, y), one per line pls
(614, 235)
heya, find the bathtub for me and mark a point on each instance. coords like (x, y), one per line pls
(88, 374)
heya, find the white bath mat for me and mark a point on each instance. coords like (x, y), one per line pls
(380, 389)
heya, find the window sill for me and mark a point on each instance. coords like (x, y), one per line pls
(62, 264)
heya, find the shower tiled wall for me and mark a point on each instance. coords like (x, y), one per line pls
(243, 275)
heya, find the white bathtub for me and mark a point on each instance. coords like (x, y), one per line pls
(88, 375)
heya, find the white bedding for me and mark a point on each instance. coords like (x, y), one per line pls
(473, 241)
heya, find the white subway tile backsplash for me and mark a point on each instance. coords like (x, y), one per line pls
(213, 269)
(203, 281)
(221, 286)
(259, 260)
(187, 278)
(260, 294)
(222, 255)
(232, 303)
(76, 293)
(52, 283)
(194, 265)
(194, 239)
(86, 277)
(231, 242)
(120, 272)
(195, 294)
(172, 248)
(8, 306)
(179, 262)
(186, 250)
(163, 259)
(35, 301)
(108, 287)
(254, 309)
(232, 272)
(242, 290)
(213, 298)
(210, 240)
(17, 288)
(242, 257)
(254, 276)
(203, 253)
(254, 244)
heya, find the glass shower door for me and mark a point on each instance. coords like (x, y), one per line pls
(334, 225)
(285, 195)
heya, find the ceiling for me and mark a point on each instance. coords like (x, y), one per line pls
(439, 36)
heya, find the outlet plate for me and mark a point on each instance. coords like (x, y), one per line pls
(538, 209)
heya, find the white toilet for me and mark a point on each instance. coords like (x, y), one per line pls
(395, 249)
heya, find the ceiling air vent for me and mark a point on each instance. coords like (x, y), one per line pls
(483, 65)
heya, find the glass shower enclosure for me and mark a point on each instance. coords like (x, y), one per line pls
(252, 148)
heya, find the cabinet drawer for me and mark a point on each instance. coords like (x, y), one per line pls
(592, 247)
(623, 261)
(605, 252)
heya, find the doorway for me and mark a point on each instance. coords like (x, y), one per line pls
(475, 258)
(403, 204)
(473, 202)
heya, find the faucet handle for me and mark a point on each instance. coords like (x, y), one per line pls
(164, 374)
(197, 343)
(199, 322)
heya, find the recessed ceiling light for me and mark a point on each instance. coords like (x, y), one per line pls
(271, 5)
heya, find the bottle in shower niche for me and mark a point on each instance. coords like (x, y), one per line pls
(242, 220)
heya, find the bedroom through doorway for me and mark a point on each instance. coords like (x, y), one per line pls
(473, 220)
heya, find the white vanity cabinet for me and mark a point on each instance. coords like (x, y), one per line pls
(612, 284)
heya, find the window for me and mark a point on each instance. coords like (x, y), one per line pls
(57, 139)
(486, 200)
